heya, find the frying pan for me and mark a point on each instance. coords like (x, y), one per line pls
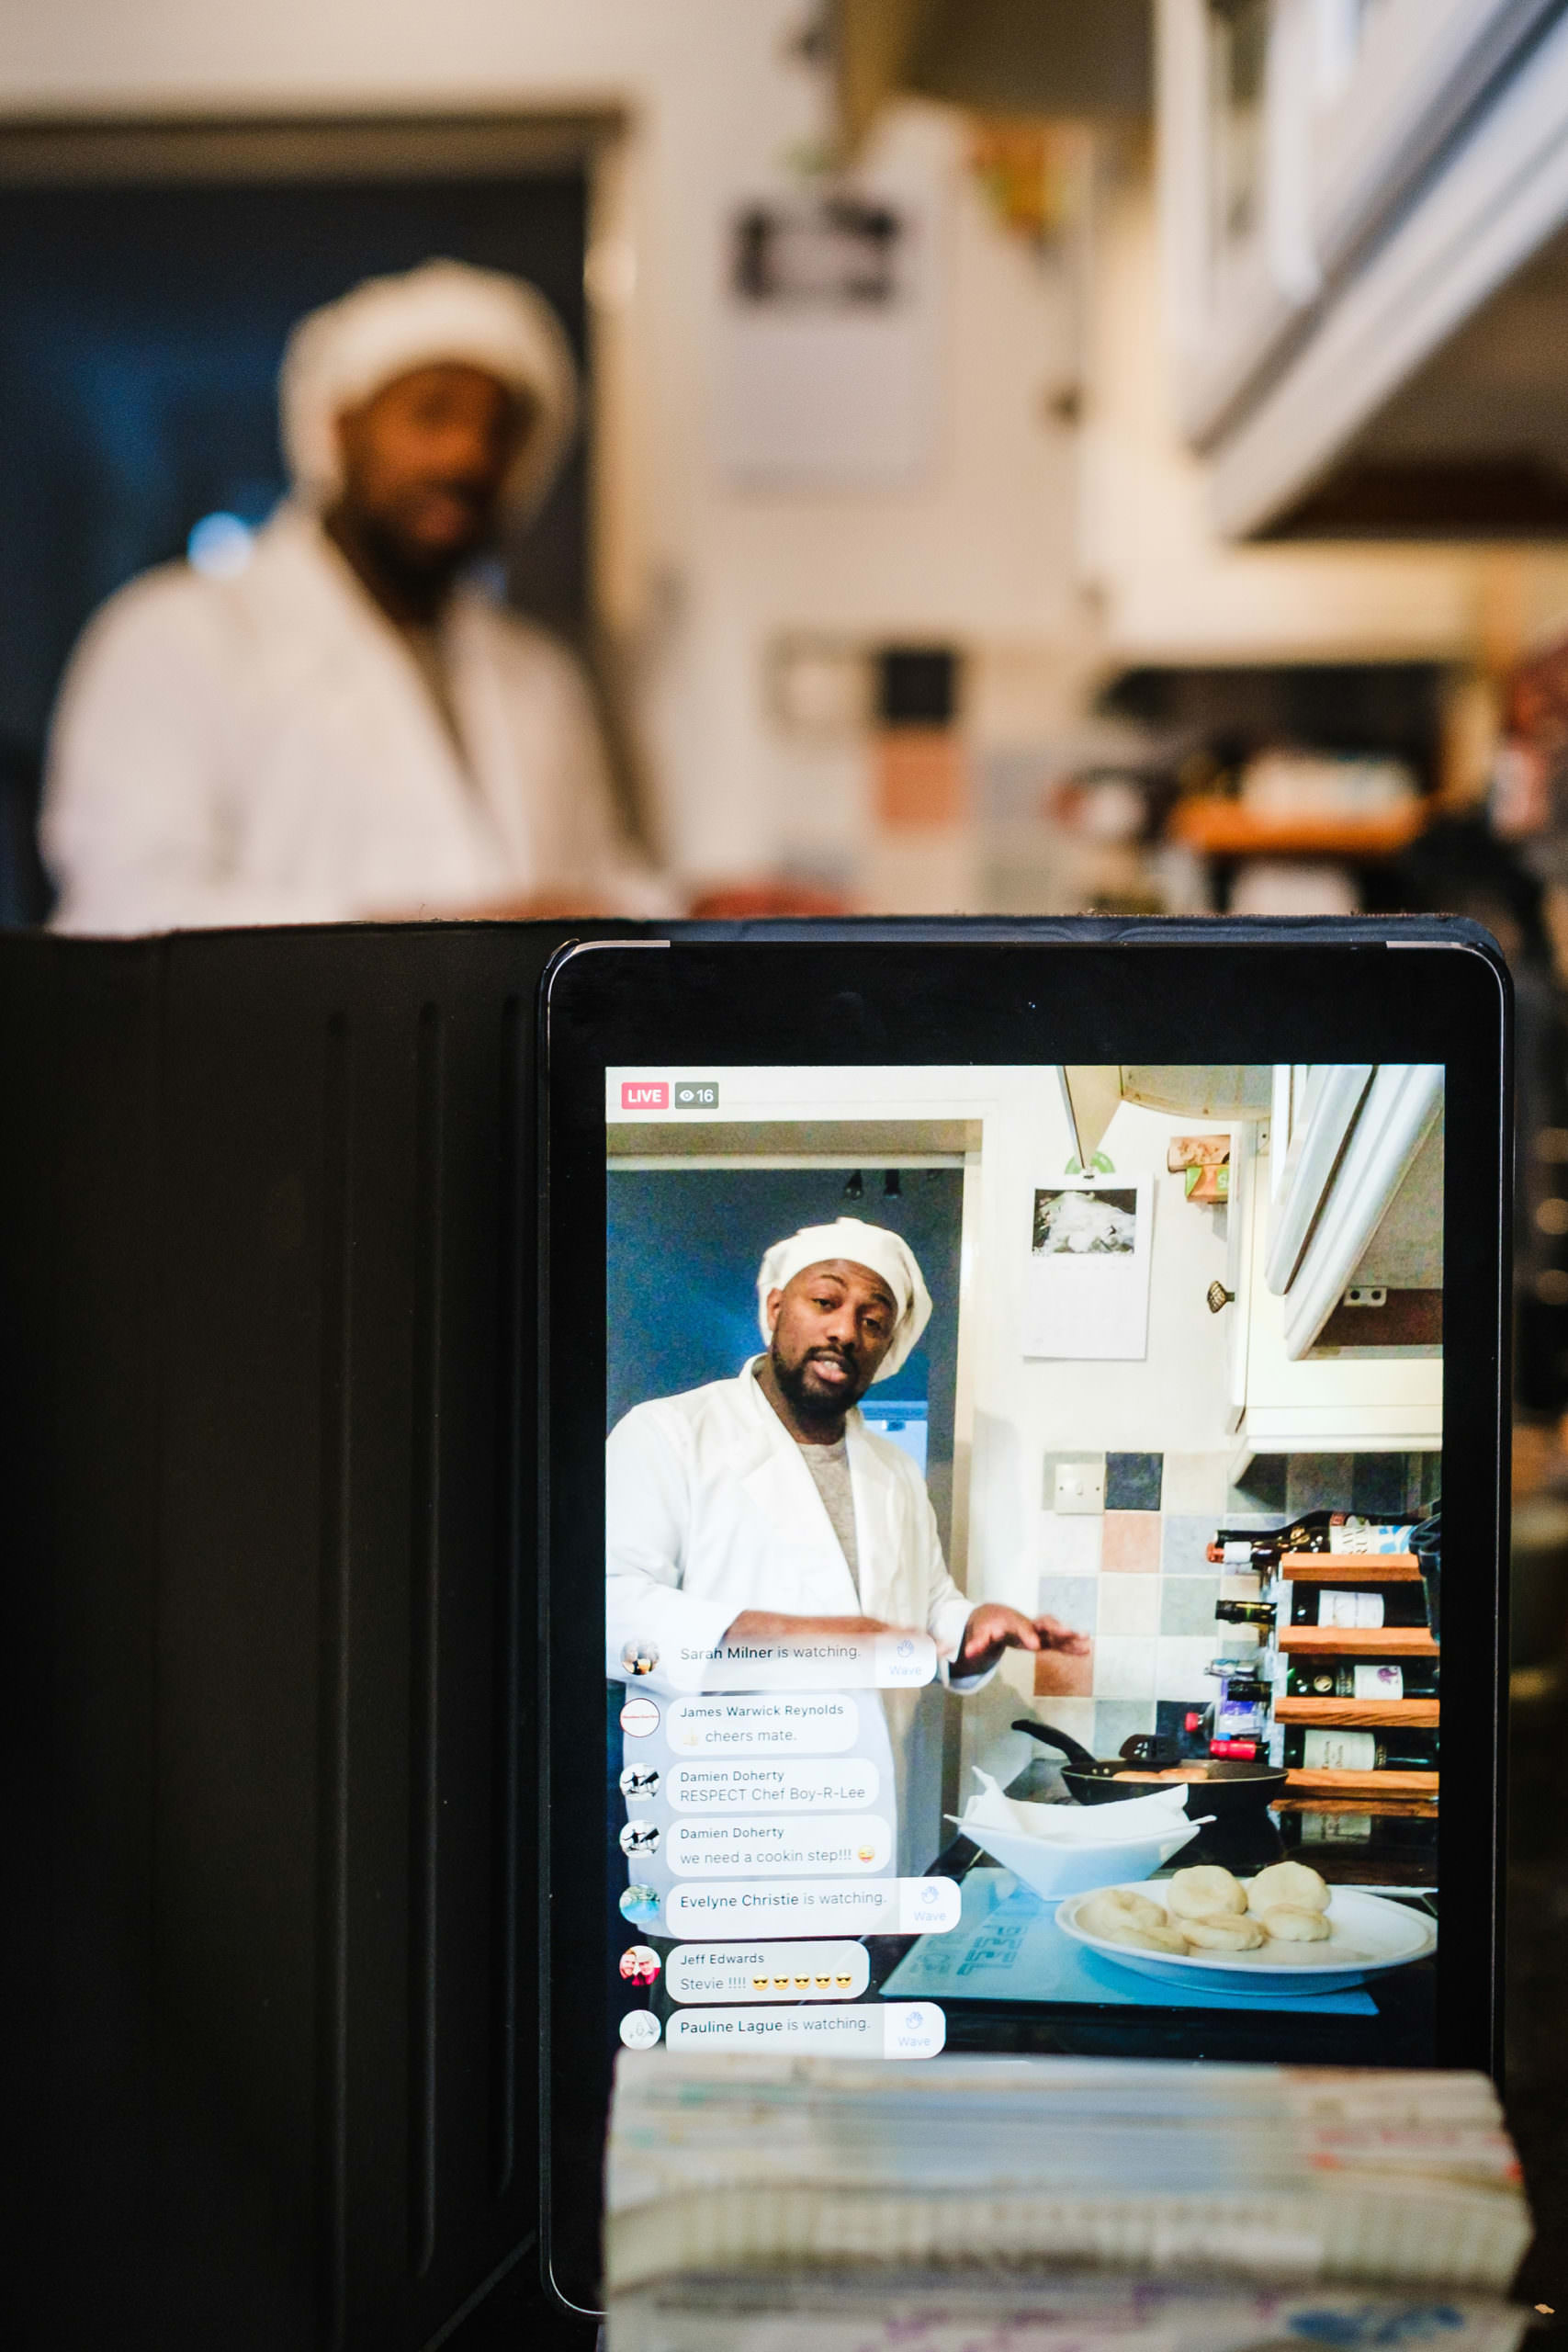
(1230, 1785)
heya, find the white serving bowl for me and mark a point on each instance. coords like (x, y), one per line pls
(1054, 1871)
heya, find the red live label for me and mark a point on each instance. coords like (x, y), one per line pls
(640, 1094)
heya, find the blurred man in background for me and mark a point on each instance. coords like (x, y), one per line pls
(348, 729)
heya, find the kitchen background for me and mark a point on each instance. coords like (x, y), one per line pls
(1137, 1574)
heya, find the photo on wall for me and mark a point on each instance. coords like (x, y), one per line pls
(1103, 1223)
(1090, 1262)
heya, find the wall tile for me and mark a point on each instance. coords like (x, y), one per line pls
(1378, 1484)
(1130, 1604)
(1249, 1522)
(1124, 1666)
(1069, 1543)
(1056, 1675)
(1187, 1606)
(1117, 1719)
(1133, 1481)
(1262, 1488)
(1318, 1482)
(1075, 1716)
(1195, 1483)
(1185, 1550)
(1070, 1598)
(1131, 1546)
(1179, 1670)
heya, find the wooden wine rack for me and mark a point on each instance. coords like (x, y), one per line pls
(1387, 1793)
(1360, 1641)
(1351, 1714)
(1350, 1567)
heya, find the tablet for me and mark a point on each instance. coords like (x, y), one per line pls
(996, 1499)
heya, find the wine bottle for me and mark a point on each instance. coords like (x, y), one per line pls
(1315, 1531)
(1245, 1612)
(1240, 1677)
(1325, 1750)
(1320, 1604)
(1344, 1678)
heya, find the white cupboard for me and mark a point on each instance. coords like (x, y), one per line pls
(1343, 1185)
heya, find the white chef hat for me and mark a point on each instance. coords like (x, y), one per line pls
(867, 1245)
(386, 327)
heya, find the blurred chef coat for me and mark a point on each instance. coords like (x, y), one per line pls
(265, 749)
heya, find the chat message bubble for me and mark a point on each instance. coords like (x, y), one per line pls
(882, 1907)
(861, 1841)
(824, 1723)
(889, 2030)
(762, 1784)
(824, 1971)
(825, 1662)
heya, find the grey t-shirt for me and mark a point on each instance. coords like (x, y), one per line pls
(829, 1466)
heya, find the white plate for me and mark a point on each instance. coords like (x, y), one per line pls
(1367, 1934)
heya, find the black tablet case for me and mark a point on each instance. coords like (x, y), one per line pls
(267, 1364)
(265, 1332)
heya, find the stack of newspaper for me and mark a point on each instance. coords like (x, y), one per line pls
(752, 2203)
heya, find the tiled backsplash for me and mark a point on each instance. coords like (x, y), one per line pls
(1135, 1575)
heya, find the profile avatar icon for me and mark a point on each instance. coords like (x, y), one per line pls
(639, 1783)
(639, 1837)
(639, 1657)
(639, 1903)
(639, 1965)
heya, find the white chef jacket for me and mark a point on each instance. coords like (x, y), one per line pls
(264, 750)
(710, 1510)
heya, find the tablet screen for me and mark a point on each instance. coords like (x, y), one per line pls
(1023, 1507)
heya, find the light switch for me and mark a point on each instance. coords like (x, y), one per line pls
(1079, 1486)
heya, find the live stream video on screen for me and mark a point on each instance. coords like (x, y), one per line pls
(1023, 1498)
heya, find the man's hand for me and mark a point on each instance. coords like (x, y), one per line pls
(770, 1625)
(993, 1628)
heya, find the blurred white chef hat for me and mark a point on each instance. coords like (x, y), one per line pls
(386, 327)
(886, 1253)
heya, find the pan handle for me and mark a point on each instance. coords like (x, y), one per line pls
(1070, 1747)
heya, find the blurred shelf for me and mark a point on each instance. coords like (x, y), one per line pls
(1229, 828)
(1350, 1569)
(1301, 1783)
(1348, 1714)
(1367, 1641)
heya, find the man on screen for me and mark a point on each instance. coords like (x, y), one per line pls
(763, 1509)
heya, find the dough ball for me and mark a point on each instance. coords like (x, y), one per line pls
(1288, 1926)
(1290, 1884)
(1104, 1913)
(1230, 1933)
(1206, 1892)
(1164, 1937)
